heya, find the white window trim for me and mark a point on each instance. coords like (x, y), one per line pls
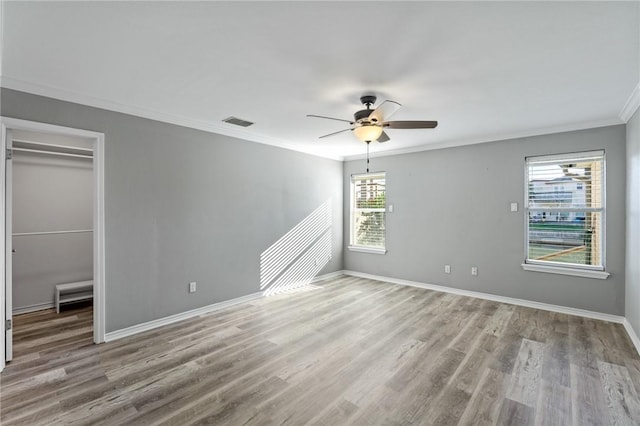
(351, 246)
(585, 271)
(563, 270)
(365, 249)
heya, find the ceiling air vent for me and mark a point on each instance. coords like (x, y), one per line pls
(238, 121)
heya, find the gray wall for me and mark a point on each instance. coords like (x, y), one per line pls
(185, 205)
(451, 206)
(50, 194)
(633, 223)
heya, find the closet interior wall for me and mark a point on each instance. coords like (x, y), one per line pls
(52, 217)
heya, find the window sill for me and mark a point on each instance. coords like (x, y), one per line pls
(601, 275)
(368, 249)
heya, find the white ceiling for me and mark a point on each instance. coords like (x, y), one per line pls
(484, 70)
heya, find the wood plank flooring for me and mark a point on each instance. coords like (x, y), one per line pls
(346, 351)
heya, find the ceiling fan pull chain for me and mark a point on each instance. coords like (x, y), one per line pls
(368, 142)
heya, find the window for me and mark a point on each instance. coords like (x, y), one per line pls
(368, 212)
(565, 205)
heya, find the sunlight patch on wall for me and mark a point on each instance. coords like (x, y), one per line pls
(293, 260)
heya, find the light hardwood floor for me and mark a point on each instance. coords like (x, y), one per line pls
(351, 351)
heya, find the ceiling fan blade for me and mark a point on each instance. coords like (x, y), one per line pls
(410, 124)
(384, 111)
(334, 133)
(383, 137)
(330, 118)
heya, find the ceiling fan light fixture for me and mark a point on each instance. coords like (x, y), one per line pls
(368, 124)
(368, 132)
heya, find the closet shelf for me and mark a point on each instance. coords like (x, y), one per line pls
(72, 231)
(51, 149)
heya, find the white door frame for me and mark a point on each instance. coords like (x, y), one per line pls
(8, 250)
(7, 124)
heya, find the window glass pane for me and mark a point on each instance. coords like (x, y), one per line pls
(566, 183)
(368, 208)
(370, 193)
(566, 237)
(565, 209)
(369, 228)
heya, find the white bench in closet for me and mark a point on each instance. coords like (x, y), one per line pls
(73, 292)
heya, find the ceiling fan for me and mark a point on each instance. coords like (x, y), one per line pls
(368, 124)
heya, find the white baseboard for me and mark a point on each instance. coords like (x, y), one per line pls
(139, 328)
(150, 325)
(513, 301)
(329, 276)
(632, 334)
(33, 308)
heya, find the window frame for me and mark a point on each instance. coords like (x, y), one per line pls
(547, 266)
(352, 209)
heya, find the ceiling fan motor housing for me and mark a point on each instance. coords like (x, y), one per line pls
(362, 115)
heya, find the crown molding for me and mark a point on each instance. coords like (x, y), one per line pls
(631, 105)
(138, 111)
(225, 129)
(493, 138)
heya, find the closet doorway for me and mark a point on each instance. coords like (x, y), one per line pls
(53, 215)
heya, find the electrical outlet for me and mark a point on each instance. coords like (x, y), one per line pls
(474, 270)
(447, 269)
(192, 287)
(514, 207)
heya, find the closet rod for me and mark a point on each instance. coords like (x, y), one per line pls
(51, 145)
(73, 231)
(65, 154)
